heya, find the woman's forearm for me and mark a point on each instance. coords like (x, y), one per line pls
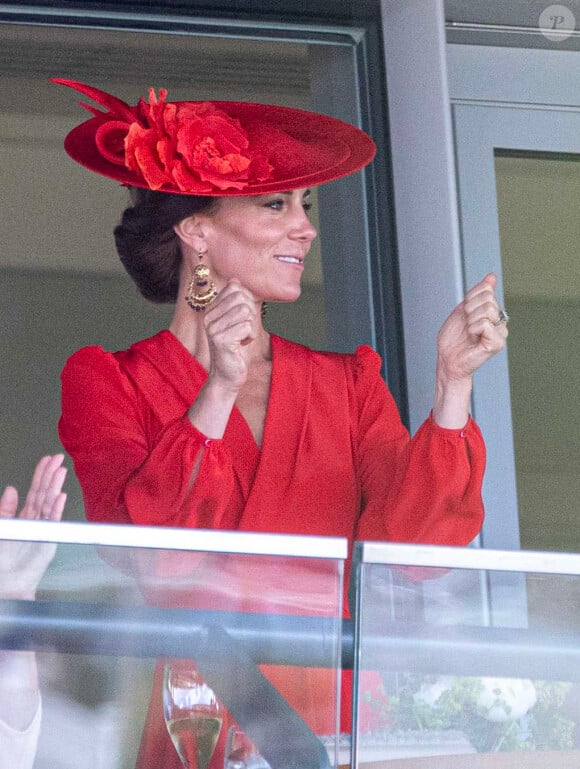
(452, 401)
(211, 410)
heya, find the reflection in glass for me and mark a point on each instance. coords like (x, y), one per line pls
(103, 616)
(241, 753)
(56, 252)
(438, 686)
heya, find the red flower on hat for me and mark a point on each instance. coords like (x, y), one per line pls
(195, 147)
(213, 148)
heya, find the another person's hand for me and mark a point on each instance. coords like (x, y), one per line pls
(231, 324)
(472, 334)
(22, 564)
(45, 499)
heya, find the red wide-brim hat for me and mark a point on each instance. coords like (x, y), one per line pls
(213, 148)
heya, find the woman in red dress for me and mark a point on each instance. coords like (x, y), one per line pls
(215, 423)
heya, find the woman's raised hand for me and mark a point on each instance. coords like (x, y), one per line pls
(231, 324)
(474, 332)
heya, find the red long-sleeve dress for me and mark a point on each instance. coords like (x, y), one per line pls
(335, 458)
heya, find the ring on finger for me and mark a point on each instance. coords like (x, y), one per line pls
(502, 318)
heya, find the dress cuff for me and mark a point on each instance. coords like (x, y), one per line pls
(458, 432)
(203, 439)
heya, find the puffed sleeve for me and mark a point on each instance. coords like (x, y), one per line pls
(425, 489)
(125, 475)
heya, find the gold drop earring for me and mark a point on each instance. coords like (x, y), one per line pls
(201, 290)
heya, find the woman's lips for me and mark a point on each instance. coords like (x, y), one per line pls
(298, 260)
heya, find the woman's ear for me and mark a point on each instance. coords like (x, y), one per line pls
(191, 233)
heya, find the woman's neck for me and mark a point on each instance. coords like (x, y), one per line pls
(189, 329)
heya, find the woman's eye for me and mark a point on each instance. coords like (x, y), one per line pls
(280, 203)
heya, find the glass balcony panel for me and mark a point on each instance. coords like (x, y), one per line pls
(439, 687)
(257, 617)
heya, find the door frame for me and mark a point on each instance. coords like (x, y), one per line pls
(512, 99)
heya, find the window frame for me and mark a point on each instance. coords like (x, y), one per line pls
(354, 30)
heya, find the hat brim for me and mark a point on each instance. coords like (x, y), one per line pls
(334, 149)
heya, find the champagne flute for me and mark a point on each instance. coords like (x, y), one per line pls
(193, 714)
(241, 753)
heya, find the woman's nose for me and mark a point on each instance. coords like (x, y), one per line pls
(304, 229)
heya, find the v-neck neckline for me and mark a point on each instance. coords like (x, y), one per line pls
(259, 470)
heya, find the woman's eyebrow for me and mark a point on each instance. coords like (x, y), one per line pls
(305, 194)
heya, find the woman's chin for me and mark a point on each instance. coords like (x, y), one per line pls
(288, 296)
